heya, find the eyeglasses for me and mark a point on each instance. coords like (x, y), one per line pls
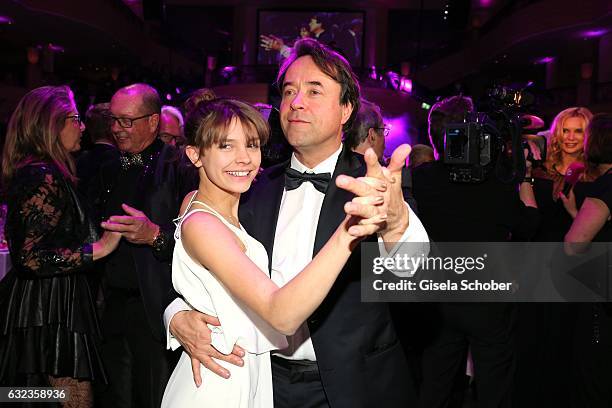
(76, 119)
(127, 122)
(386, 130)
(169, 138)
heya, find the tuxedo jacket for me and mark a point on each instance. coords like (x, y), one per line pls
(160, 191)
(361, 361)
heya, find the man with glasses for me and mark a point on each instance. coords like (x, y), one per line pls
(171, 126)
(368, 130)
(143, 192)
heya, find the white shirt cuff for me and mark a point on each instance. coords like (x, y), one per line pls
(177, 305)
(414, 234)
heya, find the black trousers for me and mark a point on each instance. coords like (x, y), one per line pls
(543, 376)
(486, 329)
(592, 357)
(138, 366)
(297, 385)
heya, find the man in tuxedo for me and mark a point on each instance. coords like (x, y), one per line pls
(347, 353)
(144, 189)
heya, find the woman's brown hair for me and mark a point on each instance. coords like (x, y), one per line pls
(209, 121)
(33, 132)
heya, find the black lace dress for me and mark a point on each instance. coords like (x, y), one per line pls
(48, 322)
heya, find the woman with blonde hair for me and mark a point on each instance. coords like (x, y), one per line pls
(566, 143)
(543, 329)
(565, 146)
(48, 322)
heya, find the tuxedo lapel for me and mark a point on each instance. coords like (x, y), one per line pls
(332, 210)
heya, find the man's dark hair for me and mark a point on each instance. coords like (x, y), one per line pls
(331, 64)
(323, 19)
(448, 110)
(367, 117)
(97, 122)
(599, 139)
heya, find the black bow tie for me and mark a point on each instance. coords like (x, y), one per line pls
(294, 179)
(131, 159)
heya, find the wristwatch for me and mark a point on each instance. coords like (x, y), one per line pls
(529, 180)
(160, 241)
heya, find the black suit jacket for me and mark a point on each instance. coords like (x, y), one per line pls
(160, 192)
(360, 359)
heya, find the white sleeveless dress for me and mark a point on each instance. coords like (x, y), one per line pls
(249, 386)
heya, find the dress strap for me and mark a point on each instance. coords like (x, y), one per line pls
(207, 209)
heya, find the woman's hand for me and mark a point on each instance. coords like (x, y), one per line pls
(106, 244)
(569, 203)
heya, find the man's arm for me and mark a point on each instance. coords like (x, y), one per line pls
(189, 328)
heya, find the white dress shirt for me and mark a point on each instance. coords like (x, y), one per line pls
(296, 230)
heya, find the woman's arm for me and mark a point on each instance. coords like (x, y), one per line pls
(208, 241)
(589, 220)
(41, 210)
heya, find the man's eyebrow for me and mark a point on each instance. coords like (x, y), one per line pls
(312, 83)
(315, 83)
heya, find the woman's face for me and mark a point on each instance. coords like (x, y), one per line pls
(70, 135)
(233, 165)
(572, 136)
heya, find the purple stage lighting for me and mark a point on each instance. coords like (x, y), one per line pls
(594, 33)
(400, 133)
(168, 96)
(373, 75)
(405, 85)
(53, 47)
(5, 20)
(544, 60)
(228, 71)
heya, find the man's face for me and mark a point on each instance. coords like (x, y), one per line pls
(314, 25)
(170, 131)
(310, 111)
(143, 131)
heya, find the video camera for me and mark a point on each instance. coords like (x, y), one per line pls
(491, 140)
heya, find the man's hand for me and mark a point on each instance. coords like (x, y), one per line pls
(191, 330)
(135, 227)
(271, 42)
(397, 211)
(368, 209)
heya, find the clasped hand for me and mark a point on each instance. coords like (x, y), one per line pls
(378, 205)
(135, 226)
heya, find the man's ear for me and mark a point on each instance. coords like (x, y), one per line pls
(194, 155)
(154, 122)
(372, 136)
(346, 112)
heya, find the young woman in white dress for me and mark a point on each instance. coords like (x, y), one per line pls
(222, 271)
